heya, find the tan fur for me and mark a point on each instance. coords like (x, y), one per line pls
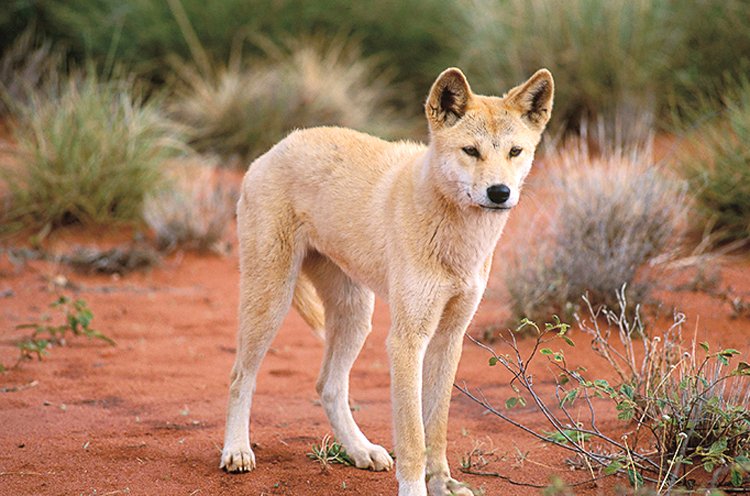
(351, 215)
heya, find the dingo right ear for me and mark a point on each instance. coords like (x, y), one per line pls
(448, 98)
(534, 98)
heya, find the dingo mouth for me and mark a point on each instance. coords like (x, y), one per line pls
(494, 208)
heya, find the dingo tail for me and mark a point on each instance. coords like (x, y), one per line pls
(307, 303)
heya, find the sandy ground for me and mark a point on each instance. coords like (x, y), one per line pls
(146, 417)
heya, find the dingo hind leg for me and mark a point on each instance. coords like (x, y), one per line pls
(348, 314)
(270, 257)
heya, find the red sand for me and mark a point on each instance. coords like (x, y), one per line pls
(146, 417)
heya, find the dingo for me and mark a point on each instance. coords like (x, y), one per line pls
(329, 217)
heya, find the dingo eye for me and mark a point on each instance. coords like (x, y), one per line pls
(515, 151)
(470, 151)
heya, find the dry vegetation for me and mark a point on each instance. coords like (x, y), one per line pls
(615, 211)
(240, 111)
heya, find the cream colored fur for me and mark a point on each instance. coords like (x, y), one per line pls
(329, 217)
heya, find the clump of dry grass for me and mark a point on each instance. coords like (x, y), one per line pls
(240, 112)
(88, 151)
(194, 211)
(614, 212)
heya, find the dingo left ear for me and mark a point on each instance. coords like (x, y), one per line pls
(448, 98)
(534, 98)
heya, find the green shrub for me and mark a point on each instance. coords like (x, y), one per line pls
(87, 152)
(613, 213)
(242, 112)
(604, 55)
(716, 159)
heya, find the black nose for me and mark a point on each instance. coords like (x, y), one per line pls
(498, 193)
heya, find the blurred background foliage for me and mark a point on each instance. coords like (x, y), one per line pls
(603, 53)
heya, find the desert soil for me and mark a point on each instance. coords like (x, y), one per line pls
(146, 416)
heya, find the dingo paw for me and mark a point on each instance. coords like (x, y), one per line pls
(237, 459)
(439, 486)
(372, 457)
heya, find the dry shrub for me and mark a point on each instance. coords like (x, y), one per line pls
(614, 212)
(241, 112)
(194, 211)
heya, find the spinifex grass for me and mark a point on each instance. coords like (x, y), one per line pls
(87, 152)
(241, 112)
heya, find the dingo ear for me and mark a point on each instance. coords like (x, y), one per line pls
(534, 98)
(449, 96)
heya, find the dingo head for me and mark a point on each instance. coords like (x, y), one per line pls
(482, 147)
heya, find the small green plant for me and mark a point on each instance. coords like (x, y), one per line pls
(328, 452)
(684, 408)
(77, 317)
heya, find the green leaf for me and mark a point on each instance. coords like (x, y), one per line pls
(545, 351)
(493, 361)
(558, 357)
(635, 478)
(613, 467)
(729, 352)
(743, 368)
(511, 402)
(704, 345)
(736, 476)
(563, 379)
(628, 391)
(569, 397)
(568, 340)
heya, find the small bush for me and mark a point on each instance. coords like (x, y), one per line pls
(603, 55)
(87, 152)
(243, 112)
(683, 407)
(194, 212)
(613, 213)
(717, 163)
